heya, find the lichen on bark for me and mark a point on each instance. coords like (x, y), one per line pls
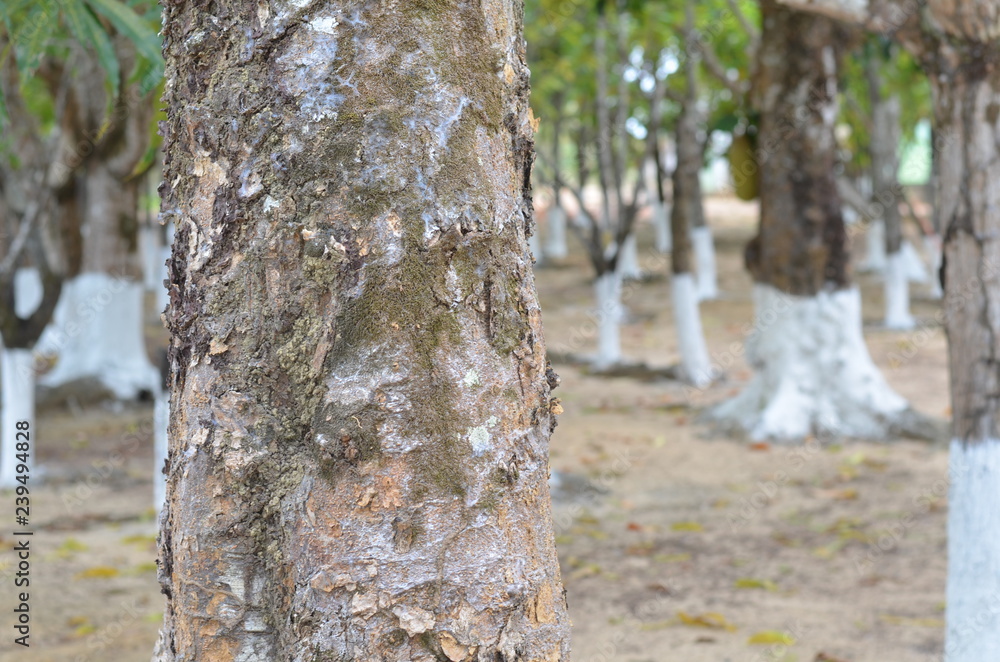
(352, 307)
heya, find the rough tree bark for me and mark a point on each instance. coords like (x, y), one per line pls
(813, 373)
(360, 404)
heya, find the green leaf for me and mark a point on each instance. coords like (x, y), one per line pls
(128, 23)
(31, 36)
(768, 637)
(88, 31)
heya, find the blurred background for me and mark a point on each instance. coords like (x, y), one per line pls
(678, 538)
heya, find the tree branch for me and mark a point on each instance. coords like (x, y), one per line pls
(738, 87)
(753, 34)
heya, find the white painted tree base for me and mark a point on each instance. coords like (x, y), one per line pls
(608, 291)
(897, 294)
(17, 383)
(628, 260)
(695, 362)
(28, 291)
(664, 241)
(704, 256)
(150, 249)
(97, 332)
(973, 591)
(913, 265)
(813, 373)
(875, 244)
(932, 247)
(555, 242)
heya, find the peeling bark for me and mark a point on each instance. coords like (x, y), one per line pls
(360, 410)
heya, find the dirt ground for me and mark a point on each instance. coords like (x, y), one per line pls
(675, 543)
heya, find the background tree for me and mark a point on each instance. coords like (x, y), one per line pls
(812, 368)
(955, 42)
(64, 72)
(360, 402)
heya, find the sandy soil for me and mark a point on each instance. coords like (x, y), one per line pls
(675, 544)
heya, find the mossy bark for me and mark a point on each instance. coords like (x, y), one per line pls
(801, 246)
(360, 410)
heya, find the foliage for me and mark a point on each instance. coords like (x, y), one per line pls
(33, 30)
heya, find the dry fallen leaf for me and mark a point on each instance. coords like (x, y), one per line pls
(710, 619)
(97, 572)
(749, 582)
(686, 526)
(768, 637)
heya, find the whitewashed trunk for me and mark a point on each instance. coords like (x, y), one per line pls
(555, 244)
(812, 371)
(27, 291)
(151, 250)
(932, 246)
(704, 255)
(608, 291)
(897, 293)
(695, 362)
(973, 591)
(913, 265)
(875, 244)
(628, 261)
(661, 227)
(97, 332)
(161, 417)
(17, 381)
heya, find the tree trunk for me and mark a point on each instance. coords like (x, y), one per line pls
(555, 245)
(812, 369)
(661, 224)
(686, 213)
(883, 148)
(97, 329)
(967, 134)
(359, 405)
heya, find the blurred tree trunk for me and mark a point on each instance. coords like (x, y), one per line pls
(687, 213)
(32, 203)
(887, 193)
(965, 79)
(813, 373)
(360, 405)
(555, 244)
(98, 327)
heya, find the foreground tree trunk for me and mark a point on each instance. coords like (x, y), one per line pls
(359, 405)
(813, 373)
